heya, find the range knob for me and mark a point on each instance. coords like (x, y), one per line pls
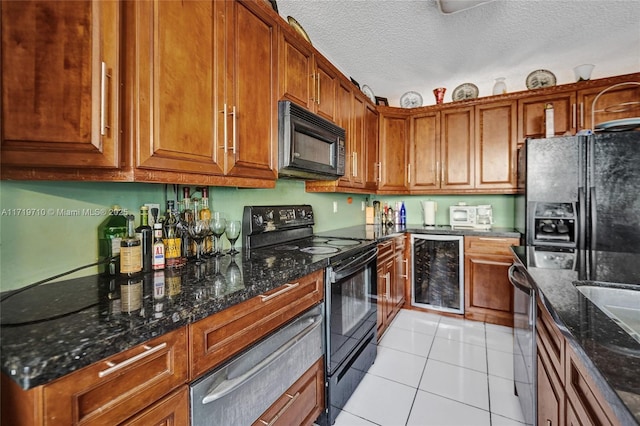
(258, 220)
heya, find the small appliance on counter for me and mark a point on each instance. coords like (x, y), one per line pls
(429, 209)
(462, 216)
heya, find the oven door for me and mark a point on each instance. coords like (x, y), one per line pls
(351, 305)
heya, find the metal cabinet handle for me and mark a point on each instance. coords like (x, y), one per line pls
(292, 399)
(437, 172)
(318, 85)
(233, 127)
(354, 164)
(406, 268)
(103, 98)
(115, 367)
(224, 132)
(387, 278)
(286, 288)
(491, 239)
(573, 115)
(409, 172)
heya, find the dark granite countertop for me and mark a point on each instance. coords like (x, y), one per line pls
(377, 232)
(57, 328)
(608, 352)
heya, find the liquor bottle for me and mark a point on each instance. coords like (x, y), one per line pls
(145, 234)
(130, 250)
(110, 233)
(186, 216)
(403, 214)
(205, 214)
(158, 247)
(172, 241)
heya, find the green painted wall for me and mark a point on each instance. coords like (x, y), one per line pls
(51, 227)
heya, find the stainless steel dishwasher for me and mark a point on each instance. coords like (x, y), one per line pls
(438, 272)
(239, 391)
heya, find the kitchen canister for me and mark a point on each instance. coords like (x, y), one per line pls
(429, 209)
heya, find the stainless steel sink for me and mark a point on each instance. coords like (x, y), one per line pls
(620, 302)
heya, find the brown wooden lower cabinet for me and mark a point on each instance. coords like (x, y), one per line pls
(301, 404)
(392, 272)
(567, 394)
(488, 292)
(172, 410)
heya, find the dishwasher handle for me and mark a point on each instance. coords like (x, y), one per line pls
(229, 385)
(518, 284)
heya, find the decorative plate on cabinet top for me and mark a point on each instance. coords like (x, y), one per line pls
(296, 26)
(369, 93)
(540, 78)
(411, 100)
(465, 91)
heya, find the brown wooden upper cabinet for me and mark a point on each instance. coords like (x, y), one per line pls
(306, 78)
(617, 101)
(457, 148)
(495, 146)
(531, 114)
(392, 152)
(202, 89)
(60, 80)
(424, 152)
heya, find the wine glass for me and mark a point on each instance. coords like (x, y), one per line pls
(218, 225)
(198, 230)
(232, 232)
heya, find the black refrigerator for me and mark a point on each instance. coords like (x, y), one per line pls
(583, 192)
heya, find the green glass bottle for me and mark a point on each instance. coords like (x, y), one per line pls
(110, 233)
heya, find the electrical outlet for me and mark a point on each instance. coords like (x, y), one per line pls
(363, 205)
(153, 206)
(335, 207)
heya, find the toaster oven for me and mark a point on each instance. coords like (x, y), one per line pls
(474, 217)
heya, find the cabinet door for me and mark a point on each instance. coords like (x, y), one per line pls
(489, 294)
(496, 146)
(401, 275)
(358, 141)
(370, 154)
(457, 155)
(621, 101)
(250, 101)
(171, 410)
(394, 131)
(326, 81)
(173, 68)
(424, 157)
(531, 113)
(60, 80)
(551, 399)
(346, 118)
(295, 70)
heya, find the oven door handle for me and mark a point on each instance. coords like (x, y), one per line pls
(513, 270)
(227, 386)
(354, 265)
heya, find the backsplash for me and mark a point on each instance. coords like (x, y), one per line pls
(47, 228)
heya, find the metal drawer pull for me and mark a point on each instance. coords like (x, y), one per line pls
(406, 268)
(228, 385)
(292, 399)
(492, 239)
(278, 293)
(115, 367)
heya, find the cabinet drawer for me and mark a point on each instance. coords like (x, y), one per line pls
(589, 406)
(221, 336)
(113, 390)
(171, 410)
(490, 245)
(385, 249)
(301, 404)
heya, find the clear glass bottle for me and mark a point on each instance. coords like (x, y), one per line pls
(205, 214)
(172, 241)
(110, 233)
(158, 247)
(145, 234)
(130, 250)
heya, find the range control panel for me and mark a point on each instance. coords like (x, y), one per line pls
(260, 219)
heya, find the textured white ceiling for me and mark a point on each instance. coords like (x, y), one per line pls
(395, 46)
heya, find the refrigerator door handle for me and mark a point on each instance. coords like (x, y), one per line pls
(593, 219)
(582, 219)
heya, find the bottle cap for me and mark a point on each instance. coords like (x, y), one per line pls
(144, 208)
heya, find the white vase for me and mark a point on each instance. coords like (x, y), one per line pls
(500, 87)
(583, 72)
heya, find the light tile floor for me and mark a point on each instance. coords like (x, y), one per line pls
(437, 370)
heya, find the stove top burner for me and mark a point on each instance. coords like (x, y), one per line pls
(343, 243)
(319, 240)
(320, 250)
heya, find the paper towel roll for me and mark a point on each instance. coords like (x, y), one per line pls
(429, 209)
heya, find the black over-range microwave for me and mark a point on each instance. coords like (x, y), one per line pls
(310, 147)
